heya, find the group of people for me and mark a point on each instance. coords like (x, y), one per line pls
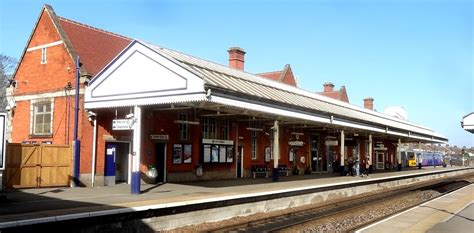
(352, 166)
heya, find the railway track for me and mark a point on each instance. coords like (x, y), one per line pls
(295, 221)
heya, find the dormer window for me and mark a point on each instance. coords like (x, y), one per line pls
(43, 55)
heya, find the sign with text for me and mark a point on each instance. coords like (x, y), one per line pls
(163, 137)
(217, 141)
(295, 143)
(331, 143)
(122, 124)
(3, 130)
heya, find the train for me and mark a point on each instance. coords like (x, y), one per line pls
(412, 158)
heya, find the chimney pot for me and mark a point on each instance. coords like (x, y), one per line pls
(328, 87)
(236, 58)
(369, 103)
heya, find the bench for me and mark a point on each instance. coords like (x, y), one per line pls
(285, 172)
(255, 173)
(259, 169)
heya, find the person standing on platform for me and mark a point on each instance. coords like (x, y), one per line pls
(367, 166)
(351, 166)
(357, 167)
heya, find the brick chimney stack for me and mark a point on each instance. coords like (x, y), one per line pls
(236, 58)
(369, 103)
(328, 87)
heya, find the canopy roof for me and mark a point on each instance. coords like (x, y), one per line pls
(232, 87)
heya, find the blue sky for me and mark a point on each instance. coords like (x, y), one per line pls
(417, 54)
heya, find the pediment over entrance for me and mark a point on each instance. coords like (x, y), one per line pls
(138, 75)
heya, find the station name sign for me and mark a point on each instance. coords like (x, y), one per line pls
(331, 143)
(295, 143)
(163, 137)
(122, 124)
(217, 141)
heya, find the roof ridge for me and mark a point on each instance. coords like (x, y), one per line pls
(93, 28)
(270, 72)
(283, 73)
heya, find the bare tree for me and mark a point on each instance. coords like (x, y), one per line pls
(7, 67)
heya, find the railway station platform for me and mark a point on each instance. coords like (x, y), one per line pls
(453, 212)
(171, 205)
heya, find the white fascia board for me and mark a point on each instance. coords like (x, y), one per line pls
(357, 126)
(267, 109)
(427, 139)
(397, 133)
(190, 98)
(139, 74)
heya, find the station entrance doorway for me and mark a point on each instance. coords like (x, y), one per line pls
(320, 162)
(117, 162)
(380, 160)
(160, 162)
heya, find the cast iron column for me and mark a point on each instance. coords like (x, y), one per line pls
(342, 167)
(276, 151)
(137, 128)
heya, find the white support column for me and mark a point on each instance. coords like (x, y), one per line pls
(399, 154)
(137, 115)
(418, 160)
(276, 150)
(94, 150)
(342, 153)
(370, 150)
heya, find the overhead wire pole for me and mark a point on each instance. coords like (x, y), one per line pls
(77, 142)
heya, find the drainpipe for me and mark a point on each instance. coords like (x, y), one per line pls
(341, 169)
(94, 150)
(276, 151)
(77, 143)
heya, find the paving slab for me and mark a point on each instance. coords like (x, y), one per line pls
(69, 203)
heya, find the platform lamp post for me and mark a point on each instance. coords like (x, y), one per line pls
(76, 142)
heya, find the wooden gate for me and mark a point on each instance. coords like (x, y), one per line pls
(34, 166)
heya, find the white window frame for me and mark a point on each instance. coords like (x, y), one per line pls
(205, 127)
(33, 105)
(183, 127)
(43, 55)
(253, 145)
(225, 129)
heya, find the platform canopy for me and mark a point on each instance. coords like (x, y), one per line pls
(146, 74)
(467, 122)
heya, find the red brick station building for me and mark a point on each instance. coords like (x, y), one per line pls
(184, 118)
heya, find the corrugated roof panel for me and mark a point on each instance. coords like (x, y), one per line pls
(240, 81)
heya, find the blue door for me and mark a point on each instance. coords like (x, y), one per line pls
(110, 152)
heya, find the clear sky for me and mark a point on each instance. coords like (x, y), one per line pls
(412, 53)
